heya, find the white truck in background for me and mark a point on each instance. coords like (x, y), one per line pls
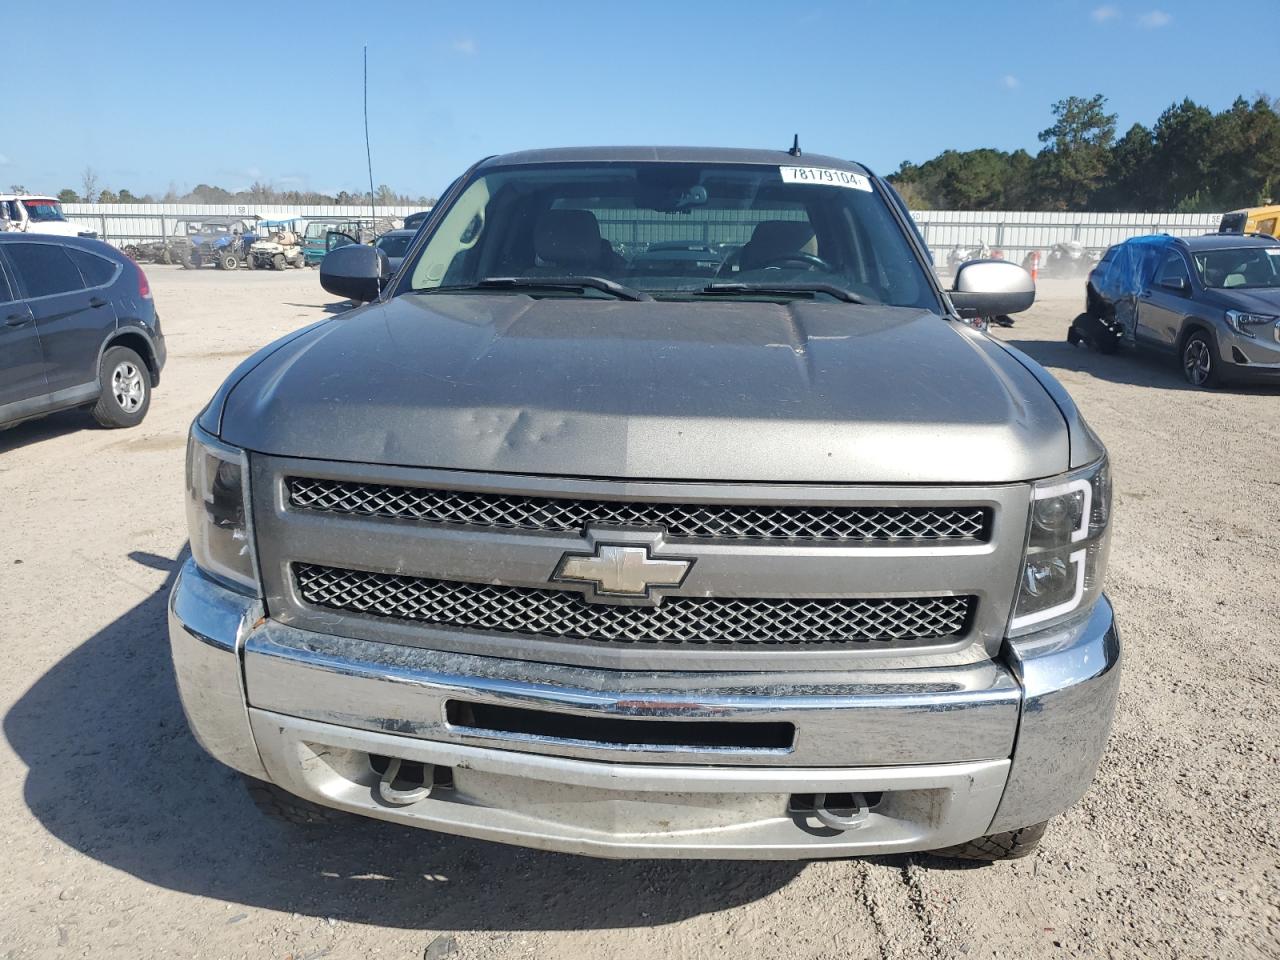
(29, 213)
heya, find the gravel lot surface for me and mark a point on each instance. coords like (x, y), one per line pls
(119, 838)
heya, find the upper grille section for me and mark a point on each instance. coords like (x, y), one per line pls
(906, 621)
(950, 524)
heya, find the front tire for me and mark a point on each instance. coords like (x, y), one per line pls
(1011, 845)
(229, 262)
(277, 262)
(126, 389)
(1094, 332)
(1199, 366)
(281, 805)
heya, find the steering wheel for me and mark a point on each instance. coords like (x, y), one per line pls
(808, 259)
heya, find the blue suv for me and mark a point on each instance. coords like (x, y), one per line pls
(78, 328)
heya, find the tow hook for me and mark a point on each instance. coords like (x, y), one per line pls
(841, 821)
(402, 796)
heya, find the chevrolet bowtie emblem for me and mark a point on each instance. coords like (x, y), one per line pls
(621, 571)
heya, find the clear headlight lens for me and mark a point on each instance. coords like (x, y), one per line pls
(1250, 324)
(218, 511)
(1067, 544)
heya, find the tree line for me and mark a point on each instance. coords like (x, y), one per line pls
(1191, 161)
(91, 191)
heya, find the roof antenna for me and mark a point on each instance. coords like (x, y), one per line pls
(368, 154)
(795, 146)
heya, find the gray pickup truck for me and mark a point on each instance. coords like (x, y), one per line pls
(761, 552)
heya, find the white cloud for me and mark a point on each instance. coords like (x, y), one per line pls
(1103, 14)
(1154, 20)
(1010, 81)
(466, 46)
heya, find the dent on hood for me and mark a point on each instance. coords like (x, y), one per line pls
(662, 390)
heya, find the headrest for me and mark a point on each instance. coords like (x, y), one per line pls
(567, 238)
(773, 239)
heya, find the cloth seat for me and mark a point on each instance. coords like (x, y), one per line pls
(568, 241)
(772, 240)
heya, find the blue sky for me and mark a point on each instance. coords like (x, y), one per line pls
(150, 94)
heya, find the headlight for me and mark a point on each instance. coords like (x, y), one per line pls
(1069, 532)
(218, 511)
(1249, 323)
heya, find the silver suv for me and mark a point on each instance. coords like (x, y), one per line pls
(762, 552)
(1212, 301)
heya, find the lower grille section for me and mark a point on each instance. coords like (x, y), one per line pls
(730, 621)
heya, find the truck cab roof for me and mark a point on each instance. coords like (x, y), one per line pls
(671, 155)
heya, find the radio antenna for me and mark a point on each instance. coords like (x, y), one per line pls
(368, 154)
(795, 146)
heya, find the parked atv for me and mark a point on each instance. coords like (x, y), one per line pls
(221, 241)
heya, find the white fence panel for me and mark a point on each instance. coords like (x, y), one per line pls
(124, 223)
(1016, 232)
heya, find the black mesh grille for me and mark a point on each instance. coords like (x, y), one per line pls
(692, 520)
(678, 620)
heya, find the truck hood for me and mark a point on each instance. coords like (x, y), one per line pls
(726, 390)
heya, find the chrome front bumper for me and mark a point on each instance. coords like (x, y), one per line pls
(954, 752)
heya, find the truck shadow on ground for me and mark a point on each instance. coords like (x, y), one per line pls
(1139, 368)
(113, 772)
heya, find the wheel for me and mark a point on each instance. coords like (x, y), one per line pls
(282, 805)
(1198, 363)
(277, 262)
(299, 263)
(228, 261)
(998, 846)
(250, 263)
(126, 389)
(166, 257)
(1095, 333)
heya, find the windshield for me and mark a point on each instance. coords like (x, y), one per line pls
(673, 230)
(1241, 267)
(394, 246)
(316, 231)
(43, 211)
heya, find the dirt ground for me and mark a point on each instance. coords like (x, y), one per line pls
(121, 839)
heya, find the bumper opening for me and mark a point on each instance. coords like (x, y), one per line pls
(433, 775)
(487, 718)
(807, 803)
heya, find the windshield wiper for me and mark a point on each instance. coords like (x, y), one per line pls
(830, 289)
(552, 283)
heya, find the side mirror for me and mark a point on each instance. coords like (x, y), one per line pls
(1175, 284)
(991, 288)
(356, 271)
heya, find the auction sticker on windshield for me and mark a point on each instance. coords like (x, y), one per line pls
(824, 177)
